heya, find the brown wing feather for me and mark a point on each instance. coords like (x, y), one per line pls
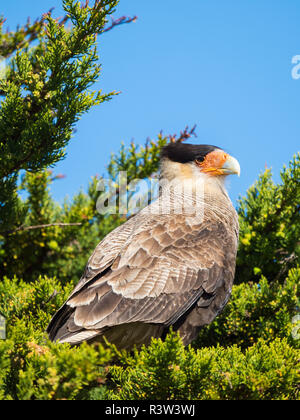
(152, 271)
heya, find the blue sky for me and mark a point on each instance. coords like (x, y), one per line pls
(224, 65)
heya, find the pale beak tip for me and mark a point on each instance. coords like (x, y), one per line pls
(232, 166)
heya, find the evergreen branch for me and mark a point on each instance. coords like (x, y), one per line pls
(46, 89)
(10, 42)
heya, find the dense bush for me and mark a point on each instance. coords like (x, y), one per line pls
(250, 351)
(264, 310)
(166, 370)
(33, 367)
(270, 226)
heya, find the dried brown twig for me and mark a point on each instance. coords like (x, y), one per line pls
(120, 21)
(184, 135)
(25, 228)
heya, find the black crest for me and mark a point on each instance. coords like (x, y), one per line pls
(183, 152)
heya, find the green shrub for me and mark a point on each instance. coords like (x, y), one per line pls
(254, 353)
(35, 302)
(166, 370)
(49, 371)
(56, 372)
(5, 366)
(31, 366)
(265, 310)
(270, 226)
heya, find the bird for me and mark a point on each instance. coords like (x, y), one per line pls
(171, 265)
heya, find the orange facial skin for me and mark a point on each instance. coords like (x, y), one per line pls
(213, 163)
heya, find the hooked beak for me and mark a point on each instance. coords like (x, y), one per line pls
(231, 166)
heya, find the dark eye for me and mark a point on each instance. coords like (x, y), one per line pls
(200, 158)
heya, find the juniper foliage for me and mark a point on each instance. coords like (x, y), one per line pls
(45, 92)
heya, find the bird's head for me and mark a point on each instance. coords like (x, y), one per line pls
(182, 160)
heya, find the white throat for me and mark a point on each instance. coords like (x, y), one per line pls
(190, 174)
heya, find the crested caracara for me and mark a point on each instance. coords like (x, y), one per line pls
(172, 264)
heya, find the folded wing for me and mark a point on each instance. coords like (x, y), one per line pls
(148, 275)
